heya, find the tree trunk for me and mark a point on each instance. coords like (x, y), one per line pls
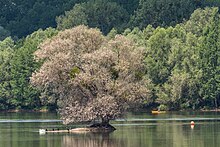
(105, 121)
(104, 125)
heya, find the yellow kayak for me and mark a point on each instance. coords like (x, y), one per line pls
(158, 112)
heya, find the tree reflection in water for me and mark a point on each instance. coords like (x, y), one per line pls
(91, 140)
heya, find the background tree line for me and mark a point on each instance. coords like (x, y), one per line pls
(183, 61)
(19, 18)
(182, 49)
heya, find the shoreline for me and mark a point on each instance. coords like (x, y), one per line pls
(23, 110)
(146, 110)
(211, 110)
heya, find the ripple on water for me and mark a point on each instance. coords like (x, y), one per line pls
(29, 120)
(117, 120)
(167, 119)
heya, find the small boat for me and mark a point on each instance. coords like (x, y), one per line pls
(158, 112)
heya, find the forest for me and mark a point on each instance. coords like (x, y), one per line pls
(132, 54)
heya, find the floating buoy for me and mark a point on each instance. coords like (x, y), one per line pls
(192, 123)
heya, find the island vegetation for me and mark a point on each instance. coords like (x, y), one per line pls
(93, 60)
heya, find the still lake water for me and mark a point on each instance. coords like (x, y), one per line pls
(137, 130)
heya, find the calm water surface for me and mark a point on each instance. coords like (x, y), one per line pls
(137, 130)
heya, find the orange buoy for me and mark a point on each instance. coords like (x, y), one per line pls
(192, 123)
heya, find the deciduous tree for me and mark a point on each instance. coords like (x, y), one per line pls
(92, 78)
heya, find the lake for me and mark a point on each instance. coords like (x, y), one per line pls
(172, 129)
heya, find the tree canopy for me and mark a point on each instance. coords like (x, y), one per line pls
(84, 70)
(182, 61)
(95, 13)
(16, 66)
(22, 17)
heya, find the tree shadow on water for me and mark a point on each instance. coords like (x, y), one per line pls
(98, 139)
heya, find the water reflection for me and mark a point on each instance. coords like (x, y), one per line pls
(90, 140)
(156, 131)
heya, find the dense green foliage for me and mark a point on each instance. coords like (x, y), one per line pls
(20, 18)
(162, 13)
(182, 45)
(183, 61)
(17, 65)
(6, 51)
(95, 13)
